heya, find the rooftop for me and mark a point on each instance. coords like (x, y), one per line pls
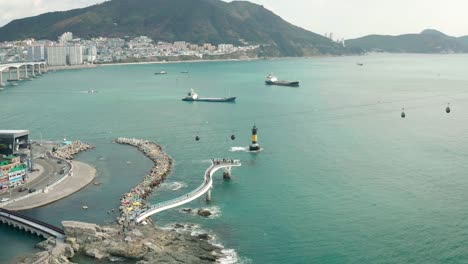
(16, 133)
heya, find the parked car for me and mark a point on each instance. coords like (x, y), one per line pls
(4, 200)
(32, 190)
(60, 161)
(22, 189)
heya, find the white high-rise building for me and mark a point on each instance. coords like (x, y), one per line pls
(65, 37)
(57, 56)
(75, 55)
(90, 54)
(36, 53)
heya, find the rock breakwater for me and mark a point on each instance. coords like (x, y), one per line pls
(68, 151)
(134, 202)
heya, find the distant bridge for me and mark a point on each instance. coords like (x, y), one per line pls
(30, 224)
(201, 190)
(21, 70)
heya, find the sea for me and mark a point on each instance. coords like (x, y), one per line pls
(341, 178)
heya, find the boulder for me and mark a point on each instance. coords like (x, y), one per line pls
(94, 253)
(137, 233)
(79, 230)
(127, 250)
(203, 236)
(203, 212)
(68, 251)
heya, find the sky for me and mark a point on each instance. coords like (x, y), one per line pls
(344, 18)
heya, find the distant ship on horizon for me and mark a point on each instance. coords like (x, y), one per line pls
(192, 96)
(273, 80)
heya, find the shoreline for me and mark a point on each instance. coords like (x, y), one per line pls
(96, 65)
(146, 243)
(79, 176)
(82, 175)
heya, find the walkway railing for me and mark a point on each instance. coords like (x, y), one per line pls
(38, 225)
(199, 191)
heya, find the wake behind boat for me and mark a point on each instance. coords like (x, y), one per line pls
(193, 97)
(273, 80)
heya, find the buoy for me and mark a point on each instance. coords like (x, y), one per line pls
(447, 109)
(197, 138)
(403, 115)
(233, 137)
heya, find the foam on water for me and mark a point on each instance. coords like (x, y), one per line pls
(243, 149)
(174, 185)
(239, 149)
(230, 256)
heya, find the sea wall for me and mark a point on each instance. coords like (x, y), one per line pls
(68, 151)
(134, 202)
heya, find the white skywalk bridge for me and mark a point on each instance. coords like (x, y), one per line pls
(205, 188)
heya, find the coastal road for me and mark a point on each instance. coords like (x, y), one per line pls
(49, 172)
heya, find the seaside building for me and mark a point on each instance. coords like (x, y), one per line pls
(12, 172)
(11, 141)
(57, 56)
(90, 54)
(36, 53)
(75, 55)
(225, 48)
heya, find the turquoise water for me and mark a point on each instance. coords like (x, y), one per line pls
(342, 178)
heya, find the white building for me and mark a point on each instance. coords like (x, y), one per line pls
(57, 56)
(90, 54)
(225, 48)
(36, 53)
(75, 55)
(65, 37)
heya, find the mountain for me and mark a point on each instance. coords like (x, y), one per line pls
(464, 39)
(428, 41)
(195, 21)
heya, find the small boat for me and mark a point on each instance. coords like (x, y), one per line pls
(360, 64)
(273, 80)
(92, 91)
(160, 73)
(84, 207)
(14, 84)
(192, 96)
(184, 72)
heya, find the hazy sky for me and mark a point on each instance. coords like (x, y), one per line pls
(345, 18)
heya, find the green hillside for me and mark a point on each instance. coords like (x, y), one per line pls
(195, 21)
(428, 41)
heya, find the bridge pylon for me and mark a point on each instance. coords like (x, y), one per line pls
(208, 195)
(227, 173)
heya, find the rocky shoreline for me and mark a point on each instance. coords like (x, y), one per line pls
(68, 151)
(142, 245)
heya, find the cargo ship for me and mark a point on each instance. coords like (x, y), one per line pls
(192, 96)
(273, 80)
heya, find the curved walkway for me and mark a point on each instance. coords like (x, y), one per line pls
(201, 190)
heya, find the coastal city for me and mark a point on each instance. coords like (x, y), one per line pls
(233, 132)
(68, 50)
